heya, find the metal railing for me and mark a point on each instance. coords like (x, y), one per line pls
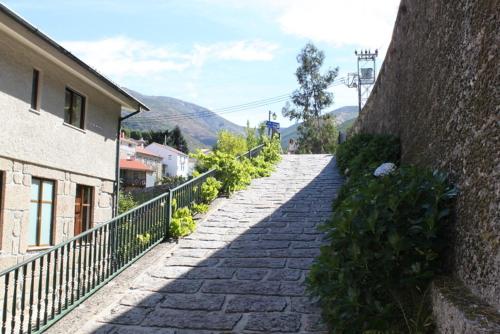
(39, 291)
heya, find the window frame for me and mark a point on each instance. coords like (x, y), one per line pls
(83, 111)
(39, 212)
(35, 90)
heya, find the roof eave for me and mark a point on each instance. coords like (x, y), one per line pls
(125, 99)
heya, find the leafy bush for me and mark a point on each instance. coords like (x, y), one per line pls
(182, 223)
(200, 208)
(210, 189)
(364, 152)
(386, 235)
(271, 150)
(261, 167)
(235, 173)
(230, 143)
(125, 202)
(229, 170)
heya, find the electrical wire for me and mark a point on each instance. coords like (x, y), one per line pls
(222, 111)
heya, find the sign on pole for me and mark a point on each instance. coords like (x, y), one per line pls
(273, 125)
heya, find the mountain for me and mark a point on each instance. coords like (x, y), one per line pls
(342, 115)
(198, 125)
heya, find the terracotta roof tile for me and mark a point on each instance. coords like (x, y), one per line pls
(134, 165)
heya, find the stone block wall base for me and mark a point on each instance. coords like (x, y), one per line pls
(457, 310)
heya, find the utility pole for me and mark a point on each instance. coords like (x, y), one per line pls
(268, 128)
(364, 79)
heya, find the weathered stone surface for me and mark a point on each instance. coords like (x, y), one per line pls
(254, 263)
(269, 323)
(243, 304)
(242, 287)
(253, 274)
(202, 302)
(244, 270)
(284, 275)
(300, 263)
(141, 298)
(447, 119)
(191, 319)
(126, 315)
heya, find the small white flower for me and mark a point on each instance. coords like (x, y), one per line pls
(385, 169)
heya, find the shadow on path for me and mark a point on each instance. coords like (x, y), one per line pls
(244, 269)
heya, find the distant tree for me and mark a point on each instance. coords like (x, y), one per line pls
(146, 135)
(231, 143)
(172, 138)
(160, 137)
(126, 132)
(136, 134)
(309, 101)
(178, 141)
(251, 136)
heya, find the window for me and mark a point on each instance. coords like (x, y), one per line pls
(35, 88)
(169, 157)
(83, 209)
(41, 212)
(74, 108)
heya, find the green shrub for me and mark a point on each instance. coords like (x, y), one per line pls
(210, 189)
(385, 237)
(182, 223)
(200, 208)
(125, 202)
(261, 167)
(229, 170)
(364, 152)
(234, 173)
(271, 150)
(231, 143)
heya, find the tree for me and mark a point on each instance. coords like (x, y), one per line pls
(251, 136)
(317, 132)
(177, 140)
(230, 143)
(136, 134)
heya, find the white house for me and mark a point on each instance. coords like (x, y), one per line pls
(58, 141)
(175, 162)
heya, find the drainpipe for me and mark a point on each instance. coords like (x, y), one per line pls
(117, 170)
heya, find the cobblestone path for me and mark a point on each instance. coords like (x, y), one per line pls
(243, 270)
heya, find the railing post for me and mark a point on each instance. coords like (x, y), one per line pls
(168, 215)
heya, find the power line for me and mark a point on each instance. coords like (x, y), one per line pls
(226, 110)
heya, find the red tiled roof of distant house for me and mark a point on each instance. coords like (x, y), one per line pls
(134, 165)
(144, 151)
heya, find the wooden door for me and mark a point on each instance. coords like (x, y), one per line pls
(78, 210)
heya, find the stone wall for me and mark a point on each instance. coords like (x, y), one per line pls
(14, 214)
(438, 90)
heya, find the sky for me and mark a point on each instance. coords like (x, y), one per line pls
(215, 53)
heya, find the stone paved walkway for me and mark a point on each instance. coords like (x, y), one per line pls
(243, 270)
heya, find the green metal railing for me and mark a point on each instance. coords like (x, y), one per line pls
(39, 291)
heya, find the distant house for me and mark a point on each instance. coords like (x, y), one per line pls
(58, 141)
(139, 168)
(135, 174)
(175, 162)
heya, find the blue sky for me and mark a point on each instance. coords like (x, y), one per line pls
(214, 53)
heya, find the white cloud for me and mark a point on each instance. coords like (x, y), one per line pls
(247, 51)
(365, 23)
(122, 56)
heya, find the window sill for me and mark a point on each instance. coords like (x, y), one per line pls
(34, 111)
(38, 248)
(74, 127)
